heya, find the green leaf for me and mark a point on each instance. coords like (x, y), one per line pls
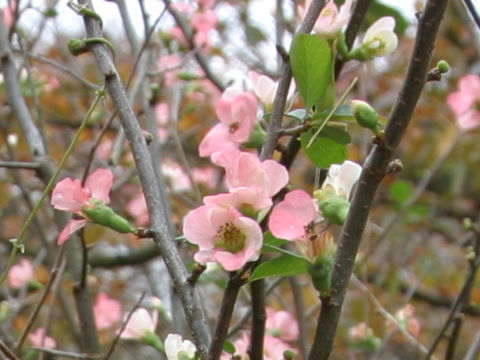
(311, 62)
(343, 112)
(285, 265)
(271, 243)
(330, 146)
(229, 347)
(297, 114)
(401, 191)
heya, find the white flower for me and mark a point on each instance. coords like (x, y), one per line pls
(265, 88)
(380, 38)
(141, 324)
(341, 178)
(178, 349)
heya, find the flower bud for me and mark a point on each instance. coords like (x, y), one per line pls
(365, 115)
(443, 66)
(104, 215)
(321, 272)
(335, 209)
(77, 46)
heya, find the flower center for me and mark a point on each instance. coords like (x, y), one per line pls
(234, 127)
(230, 238)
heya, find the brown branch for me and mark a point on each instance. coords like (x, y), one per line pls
(161, 234)
(225, 315)
(374, 170)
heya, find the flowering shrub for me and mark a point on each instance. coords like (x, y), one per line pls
(233, 134)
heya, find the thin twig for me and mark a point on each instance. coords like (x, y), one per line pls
(124, 325)
(389, 317)
(6, 350)
(46, 292)
(20, 165)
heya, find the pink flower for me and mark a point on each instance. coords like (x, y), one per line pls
(69, 195)
(237, 112)
(170, 65)
(464, 102)
(241, 348)
(331, 20)
(292, 218)
(204, 21)
(162, 113)
(107, 311)
(21, 274)
(273, 348)
(241, 198)
(281, 324)
(137, 208)
(206, 176)
(39, 339)
(223, 235)
(245, 169)
(9, 13)
(141, 324)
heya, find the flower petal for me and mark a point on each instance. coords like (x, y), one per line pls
(68, 195)
(99, 183)
(72, 226)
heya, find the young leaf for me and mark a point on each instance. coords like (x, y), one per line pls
(286, 265)
(330, 146)
(310, 59)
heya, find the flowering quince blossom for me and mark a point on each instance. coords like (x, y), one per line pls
(380, 38)
(341, 178)
(237, 113)
(137, 208)
(265, 88)
(21, 274)
(243, 169)
(107, 311)
(69, 195)
(203, 23)
(273, 348)
(223, 236)
(140, 325)
(38, 338)
(178, 349)
(292, 217)
(9, 13)
(281, 324)
(331, 20)
(465, 102)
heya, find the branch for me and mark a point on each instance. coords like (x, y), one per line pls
(374, 170)
(284, 85)
(161, 233)
(226, 310)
